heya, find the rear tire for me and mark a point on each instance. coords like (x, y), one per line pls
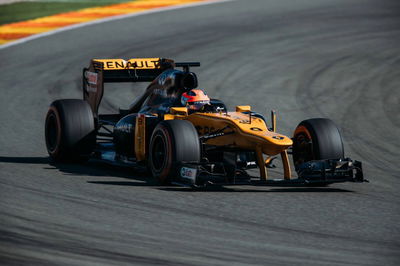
(316, 139)
(172, 142)
(70, 131)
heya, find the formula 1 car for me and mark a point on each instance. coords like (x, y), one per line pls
(179, 145)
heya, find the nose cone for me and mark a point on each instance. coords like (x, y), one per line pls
(279, 140)
(275, 143)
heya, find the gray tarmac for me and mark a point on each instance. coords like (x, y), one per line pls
(335, 59)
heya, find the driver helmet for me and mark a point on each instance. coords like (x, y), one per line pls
(195, 99)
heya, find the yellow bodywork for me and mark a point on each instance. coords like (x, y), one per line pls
(243, 131)
(140, 137)
(248, 133)
(134, 63)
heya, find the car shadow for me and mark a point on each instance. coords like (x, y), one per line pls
(264, 189)
(25, 160)
(139, 178)
(146, 183)
(92, 168)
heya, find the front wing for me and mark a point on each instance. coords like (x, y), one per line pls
(321, 172)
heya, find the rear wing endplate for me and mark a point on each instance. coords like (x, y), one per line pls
(103, 71)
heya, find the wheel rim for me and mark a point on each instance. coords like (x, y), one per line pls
(159, 153)
(52, 133)
(302, 149)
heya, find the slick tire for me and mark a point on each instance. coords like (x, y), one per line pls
(70, 131)
(172, 142)
(316, 139)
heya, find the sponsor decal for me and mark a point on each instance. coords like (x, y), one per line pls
(136, 63)
(162, 78)
(278, 137)
(90, 88)
(143, 64)
(161, 92)
(251, 163)
(256, 129)
(125, 127)
(205, 130)
(91, 77)
(189, 173)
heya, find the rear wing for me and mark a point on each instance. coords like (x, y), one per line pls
(103, 71)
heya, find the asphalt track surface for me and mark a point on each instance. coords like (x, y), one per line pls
(336, 59)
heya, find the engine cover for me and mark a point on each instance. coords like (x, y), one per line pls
(124, 135)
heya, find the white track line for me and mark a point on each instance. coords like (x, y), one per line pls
(76, 26)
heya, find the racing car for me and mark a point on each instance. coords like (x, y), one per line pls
(181, 136)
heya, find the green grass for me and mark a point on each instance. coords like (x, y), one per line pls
(21, 11)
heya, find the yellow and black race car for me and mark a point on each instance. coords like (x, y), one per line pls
(181, 136)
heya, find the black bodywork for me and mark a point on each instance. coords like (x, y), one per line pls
(117, 131)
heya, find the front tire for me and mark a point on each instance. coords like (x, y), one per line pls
(316, 139)
(172, 142)
(70, 131)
